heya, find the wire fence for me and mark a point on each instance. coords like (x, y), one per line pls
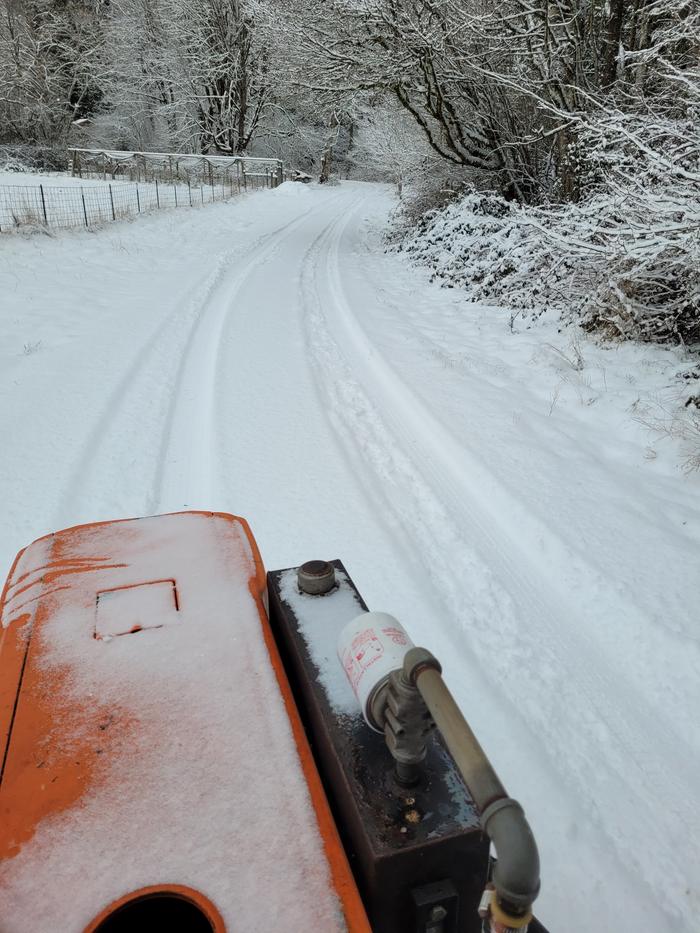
(62, 207)
(170, 166)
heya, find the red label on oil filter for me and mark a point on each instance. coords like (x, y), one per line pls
(370, 648)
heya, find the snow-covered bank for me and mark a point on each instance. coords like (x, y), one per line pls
(626, 266)
(495, 489)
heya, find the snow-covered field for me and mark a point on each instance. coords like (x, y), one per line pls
(63, 202)
(52, 179)
(503, 493)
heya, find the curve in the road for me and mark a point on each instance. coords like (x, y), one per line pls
(184, 474)
(151, 394)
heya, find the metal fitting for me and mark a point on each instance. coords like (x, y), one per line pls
(407, 725)
(316, 577)
(418, 660)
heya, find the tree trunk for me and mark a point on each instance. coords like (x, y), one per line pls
(611, 43)
(327, 159)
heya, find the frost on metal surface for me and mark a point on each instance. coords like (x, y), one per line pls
(321, 620)
(206, 788)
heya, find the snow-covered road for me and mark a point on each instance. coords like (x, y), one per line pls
(494, 490)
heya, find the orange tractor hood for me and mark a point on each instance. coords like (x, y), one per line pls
(149, 743)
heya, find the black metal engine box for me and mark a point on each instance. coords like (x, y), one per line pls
(418, 854)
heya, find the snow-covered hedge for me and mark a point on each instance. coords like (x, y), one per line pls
(629, 265)
(28, 158)
(621, 253)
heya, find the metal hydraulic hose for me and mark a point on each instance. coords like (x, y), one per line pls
(517, 874)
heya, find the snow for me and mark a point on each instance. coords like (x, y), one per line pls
(33, 199)
(321, 620)
(206, 787)
(51, 179)
(516, 509)
(619, 262)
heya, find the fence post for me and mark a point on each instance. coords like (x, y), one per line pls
(157, 196)
(111, 201)
(238, 176)
(138, 199)
(82, 195)
(175, 190)
(189, 188)
(43, 205)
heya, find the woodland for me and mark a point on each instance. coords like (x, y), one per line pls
(545, 153)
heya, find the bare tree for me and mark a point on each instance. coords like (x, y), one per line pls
(190, 74)
(227, 69)
(47, 58)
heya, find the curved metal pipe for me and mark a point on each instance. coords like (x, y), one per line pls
(517, 874)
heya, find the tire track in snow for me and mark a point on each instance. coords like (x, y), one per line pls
(185, 465)
(494, 598)
(135, 403)
(90, 472)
